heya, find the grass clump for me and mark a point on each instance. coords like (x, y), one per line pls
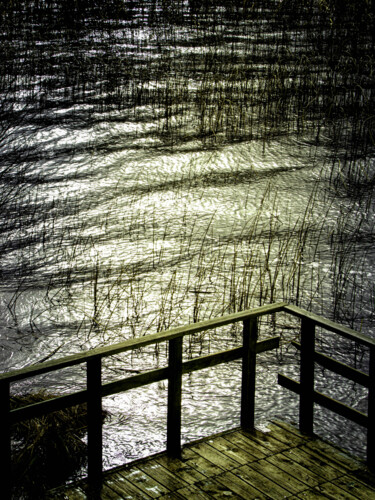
(47, 450)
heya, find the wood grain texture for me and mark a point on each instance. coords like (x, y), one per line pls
(281, 463)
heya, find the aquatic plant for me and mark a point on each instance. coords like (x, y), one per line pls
(47, 450)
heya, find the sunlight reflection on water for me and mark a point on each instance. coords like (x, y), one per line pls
(131, 235)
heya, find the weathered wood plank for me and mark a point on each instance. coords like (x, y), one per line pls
(182, 469)
(247, 444)
(134, 381)
(330, 490)
(289, 429)
(216, 457)
(309, 468)
(240, 487)
(144, 482)
(310, 495)
(278, 475)
(215, 489)
(314, 463)
(261, 482)
(48, 406)
(106, 493)
(193, 492)
(217, 358)
(202, 465)
(355, 488)
(266, 440)
(75, 493)
(335, 457)
(364, 475)
(171, 496)
(162, 475)
(125, 488)
(211, 360)
(284, 435)
(288, 465)
(231, 450)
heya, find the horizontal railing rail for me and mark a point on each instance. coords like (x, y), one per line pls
(305, 388)
(137, 343)
(96, 390)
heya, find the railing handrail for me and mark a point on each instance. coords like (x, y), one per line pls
(176, 367)
(305, 388)
(181, 331)
(172, 372)
(332, 326)
(136, 343)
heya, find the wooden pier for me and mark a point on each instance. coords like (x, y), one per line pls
(243, 463)
(281, 463)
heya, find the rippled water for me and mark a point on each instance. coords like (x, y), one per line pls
(128, 222)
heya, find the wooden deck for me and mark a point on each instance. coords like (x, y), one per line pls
(281, 463)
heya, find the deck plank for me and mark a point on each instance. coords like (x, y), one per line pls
(125, 488)
(267, 441)
(216, 489)
(331, 490)
(193, 491)
(215, 456)
(262, 483)
(110, 494)
(182, 469)
(239, 486)
(72, 493)
(356, 488)
(144, 482)
(203, 465)
(294, 469)
(283, 479)
(313, 463)
(336, 457)
(286, 434)
(231, 450)
(163, 476)
(246, 444)
(278, 463)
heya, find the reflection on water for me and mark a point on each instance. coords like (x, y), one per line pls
(162, 170)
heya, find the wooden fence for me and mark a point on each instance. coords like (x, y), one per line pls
(96, 390)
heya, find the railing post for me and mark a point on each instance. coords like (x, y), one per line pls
(371, 413)
(250, 336)
(94, 425)
(174, 398)
(306, 401)
(5, 443)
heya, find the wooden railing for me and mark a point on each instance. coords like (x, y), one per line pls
(306, 390)
(96, 390)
